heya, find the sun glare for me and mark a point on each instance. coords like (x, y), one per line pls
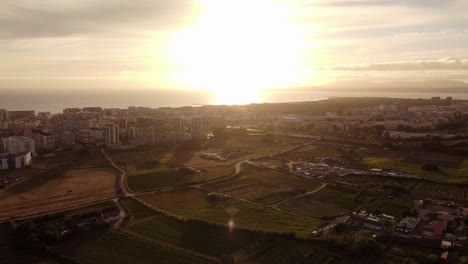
(236, 48)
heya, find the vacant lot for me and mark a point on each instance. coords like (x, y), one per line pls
(138, 158)
(204, 238)
(56, 189)
(193, 203)
(255, 183)
(84, 157)
(118, 248)
(250, 146)
(328, 202)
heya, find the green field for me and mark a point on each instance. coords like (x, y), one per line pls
(286, 252)
(139, 158)
(193, 203)
(308, 206)
(393, 207)
(328, 202)
(91, 208)
(457, 174)
(440, 190)
(339, 196)
(161, 177)
(262, 184)
(204, 238)
(118, 248)
(276, 197)
(309, 152)
(136, 209)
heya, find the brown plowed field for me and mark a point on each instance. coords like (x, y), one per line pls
(50, 191)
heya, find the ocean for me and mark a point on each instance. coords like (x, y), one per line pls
(56, 100)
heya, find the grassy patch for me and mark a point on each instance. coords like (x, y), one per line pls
(279, 251)
(136, 209)
(276, 197)
(458, 174)
(328, 202)
(310, 152)
(308, 206)
(193, 203)
(440, 190)
(208, 239)
(91, 208)
(118, 248)
(137, 159)
(159, 178)
(394, 207)
(339, 196)
(256, 183)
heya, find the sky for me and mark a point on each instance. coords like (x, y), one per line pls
(221, 45)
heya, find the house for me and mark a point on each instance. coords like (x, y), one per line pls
(435, 229)
(407, 224)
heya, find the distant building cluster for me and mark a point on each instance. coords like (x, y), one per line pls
(25, 134)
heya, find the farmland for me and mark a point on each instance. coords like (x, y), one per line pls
(310, 152)
(391, 206)
(161, 177)
(57, 189)
(115, 247)
(451, 169)
(285, 252)
(440, 190)
(136, 209)
(208, 239)
(255, 183)
(193, 203)
(328, 202)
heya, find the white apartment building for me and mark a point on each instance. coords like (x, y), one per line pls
(198, 129)
(15, 145)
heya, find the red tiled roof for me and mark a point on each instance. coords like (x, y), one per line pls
(437, 227)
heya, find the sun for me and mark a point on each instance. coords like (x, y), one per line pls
(236, 49)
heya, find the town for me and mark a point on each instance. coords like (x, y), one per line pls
(382, 179)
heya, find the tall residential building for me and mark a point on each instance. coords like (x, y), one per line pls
(112, 134)
(198, 129)
(20, 144)
(14, 115)
(44, 140)
(145, 134)
(2, 114)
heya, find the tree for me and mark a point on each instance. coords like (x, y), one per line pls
(364, 244)
(433, 259)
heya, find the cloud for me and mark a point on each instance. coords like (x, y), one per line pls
(408, 3)
(417, 65)
(56, 18)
